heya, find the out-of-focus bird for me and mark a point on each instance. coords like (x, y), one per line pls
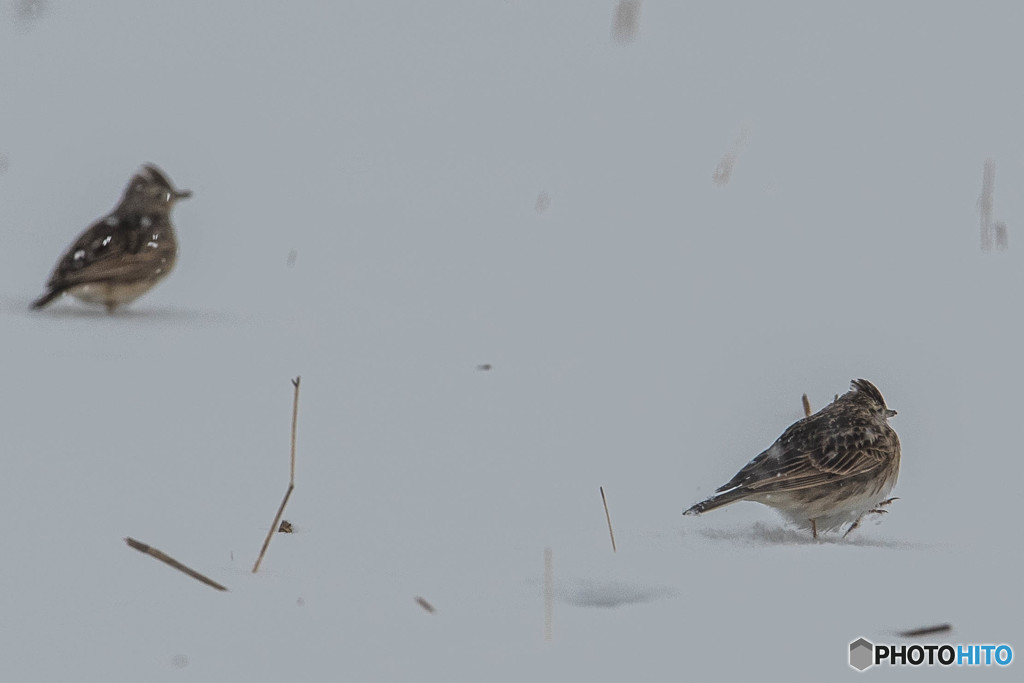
(124, 254)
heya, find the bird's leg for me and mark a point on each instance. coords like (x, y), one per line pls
(877, 511)
(814, 528)
(878, 508)
(854, 525)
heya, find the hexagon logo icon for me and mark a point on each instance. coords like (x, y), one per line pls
(861, 654)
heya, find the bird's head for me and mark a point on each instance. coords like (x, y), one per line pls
(868, 394)
(149, 191)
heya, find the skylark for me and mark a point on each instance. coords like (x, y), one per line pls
(826, 470)
(123, 255)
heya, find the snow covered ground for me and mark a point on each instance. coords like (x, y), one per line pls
(388, 195)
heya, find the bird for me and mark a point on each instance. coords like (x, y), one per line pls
(123, 255)
(826, 470)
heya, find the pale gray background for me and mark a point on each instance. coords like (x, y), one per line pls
(650, 332)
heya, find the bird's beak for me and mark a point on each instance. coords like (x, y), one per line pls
(182, 194)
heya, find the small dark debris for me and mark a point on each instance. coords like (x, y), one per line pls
(926, 631)
(484, 367)
(285, 528)
(425, 605)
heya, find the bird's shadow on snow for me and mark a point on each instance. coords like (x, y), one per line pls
(761, 533)
(610, 594)
(156, 314)
(71, 311)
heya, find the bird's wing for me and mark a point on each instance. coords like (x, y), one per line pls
(102, 253)
(794, 463)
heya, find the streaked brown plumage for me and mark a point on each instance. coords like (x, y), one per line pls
(825, 470)
(123, 255)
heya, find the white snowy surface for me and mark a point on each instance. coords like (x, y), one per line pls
(649, 332)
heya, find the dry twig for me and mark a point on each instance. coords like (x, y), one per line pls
(291, 482)
(168, 560)
(609, 518)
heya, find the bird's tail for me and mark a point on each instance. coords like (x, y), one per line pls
(46, 298)
(718, 500)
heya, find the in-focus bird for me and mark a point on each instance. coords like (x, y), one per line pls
(826, 470)
(124, 254)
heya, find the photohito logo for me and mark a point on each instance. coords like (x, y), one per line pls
(865, 654)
